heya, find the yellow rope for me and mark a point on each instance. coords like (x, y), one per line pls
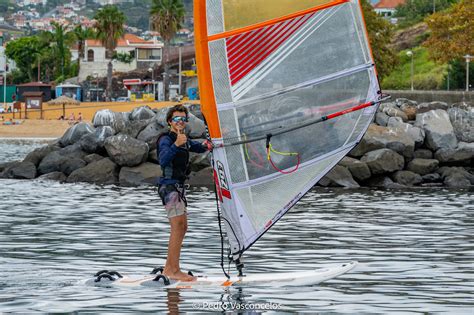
(278, 152)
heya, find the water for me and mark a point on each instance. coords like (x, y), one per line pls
(415, 250)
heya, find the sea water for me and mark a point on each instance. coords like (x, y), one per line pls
(415, 249)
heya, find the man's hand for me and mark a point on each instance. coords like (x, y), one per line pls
(208, 145)
(181, 139)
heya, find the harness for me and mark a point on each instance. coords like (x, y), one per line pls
(180, 166)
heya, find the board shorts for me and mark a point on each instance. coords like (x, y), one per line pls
(174, 199)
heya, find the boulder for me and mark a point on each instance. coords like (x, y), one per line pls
(400, 101)
(125, 150)
(106, 117)
(426, 107)
(417, 134)
(141, 113)
(359, 170)
(202, 178)
(199, 161)
(395, 112)
(75, 133)
(4, 166)
(381, 119)
(195, 109)
(409, 110)
(431, 178)
(51, 163)
(153, 157)
(383, 161)
(438, 129)
(195, 128)
(463, 154)
(39, 154)
(446, 172)
(407, 178)
(457, 181)
(340, 176)
(100, 172)
(72, 151)
(22, 170)
(56, 176)
(133, 128)
(383, 181)
(92, 158)
(94, 142)
(462, 120)
(423, 154)
(146, 173)
(378, 137)
(423, 166)
(150, 134)
(70, 165)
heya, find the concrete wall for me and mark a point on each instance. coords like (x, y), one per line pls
(449, 97)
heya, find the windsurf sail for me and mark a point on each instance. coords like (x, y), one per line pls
(287, 88)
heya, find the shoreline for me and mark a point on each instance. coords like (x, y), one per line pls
(34, 129)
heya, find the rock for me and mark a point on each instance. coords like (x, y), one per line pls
(378, 137)
(39, 154)
(146, 173)
(151, 133)
(462, 121)
(202, 178)
(400, 101)
(51, 163)
(423, 166)
(153, 157)
(70, 165)
(4, 166)
(125, 150)
(359, 170)
(75, 133)
(460, 155)
(426, 107)
(457, 181)
(199, 161)
(417, 134)
(395, 112)
(106, 117)
(94, 142)
(383, 161)
(195, 128)
(141, 113)
(101, 172)
(133, 128)
(407, 178)
(381, 119)
(56, 176)
(409, 110)
(432, 177)
(22, 170)
(446, 172)
(73, 151)
(195, 109)
(423, 154)
(438, 129)
(92, 158)
(340, 176)
(383, 181)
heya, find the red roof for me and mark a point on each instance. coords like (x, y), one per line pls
(388, 4)
(34, 84)
(125, 41)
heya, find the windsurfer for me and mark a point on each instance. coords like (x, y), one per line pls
(173, 152)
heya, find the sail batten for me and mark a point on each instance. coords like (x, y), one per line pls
(300, 71)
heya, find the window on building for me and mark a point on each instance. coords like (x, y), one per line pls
(90, 55)
(148, 54)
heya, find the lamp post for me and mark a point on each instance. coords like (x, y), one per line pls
(179, 70)
(153, 81)
(410, 54)
(5, 82)
(96, 76)
(468, 59)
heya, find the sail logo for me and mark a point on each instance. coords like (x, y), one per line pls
(223, 185)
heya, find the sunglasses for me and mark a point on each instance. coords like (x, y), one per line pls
(179, 118)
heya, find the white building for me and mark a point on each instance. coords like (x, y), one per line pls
(146, 54)
(387, 8)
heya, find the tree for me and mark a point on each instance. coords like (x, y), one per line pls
(380, 34)
(414, 11)
(25, 51)
(59, 40)
(109, 29)
(452, 35)
(81, 34)
(166, 18)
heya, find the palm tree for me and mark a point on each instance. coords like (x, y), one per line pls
(167, 18)
(109, 29)
(81, 35)
(59, 40)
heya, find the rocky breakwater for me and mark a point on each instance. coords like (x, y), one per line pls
(411, 144)
(117, 148)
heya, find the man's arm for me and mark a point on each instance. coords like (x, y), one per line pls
(198, 147)
(167, 151)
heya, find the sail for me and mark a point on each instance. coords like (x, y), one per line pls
(266, 69)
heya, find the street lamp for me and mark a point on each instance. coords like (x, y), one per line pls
(153, 81)
(410, 54)
(96, 76)
(468, 59)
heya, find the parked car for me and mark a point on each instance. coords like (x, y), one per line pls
(122, 99)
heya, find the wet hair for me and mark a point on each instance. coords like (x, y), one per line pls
(176, 108)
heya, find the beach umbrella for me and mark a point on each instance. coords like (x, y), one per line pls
(64, 100)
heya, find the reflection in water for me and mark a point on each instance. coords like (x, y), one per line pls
(414, 250)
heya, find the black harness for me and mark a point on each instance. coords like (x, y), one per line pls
(180, 166)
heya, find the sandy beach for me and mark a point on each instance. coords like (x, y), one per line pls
(33, 128)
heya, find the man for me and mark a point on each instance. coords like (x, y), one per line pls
(173, 154)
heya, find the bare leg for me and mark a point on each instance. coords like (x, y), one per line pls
(179, 226)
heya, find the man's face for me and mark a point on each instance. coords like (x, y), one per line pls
(178, 121)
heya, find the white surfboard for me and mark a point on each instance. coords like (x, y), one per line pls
(282, 279)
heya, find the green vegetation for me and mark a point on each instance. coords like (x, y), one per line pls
(414, 11)
(427, 74)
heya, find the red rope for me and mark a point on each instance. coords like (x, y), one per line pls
(282, 171)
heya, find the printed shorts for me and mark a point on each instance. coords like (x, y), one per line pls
(173, 199)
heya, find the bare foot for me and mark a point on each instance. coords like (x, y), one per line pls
(180, 276)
